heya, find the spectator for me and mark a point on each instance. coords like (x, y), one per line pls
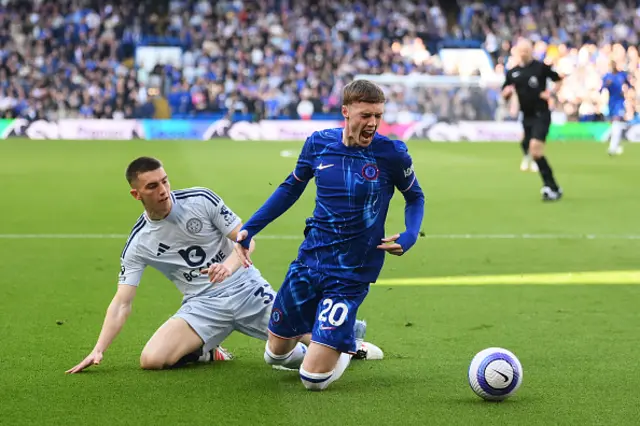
(266, 58)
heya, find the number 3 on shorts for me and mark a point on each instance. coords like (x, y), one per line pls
(334, 313)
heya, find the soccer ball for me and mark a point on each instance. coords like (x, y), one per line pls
(495, 374)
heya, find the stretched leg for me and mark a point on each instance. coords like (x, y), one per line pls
(337, 335)
(617, 128)
(524, 145)
(324, 365)
(550, 191)
(285, 353)
(171, 342)
(252, 317)
(191, 335)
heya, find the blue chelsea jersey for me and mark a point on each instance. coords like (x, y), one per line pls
(354, 188)
(614, 83)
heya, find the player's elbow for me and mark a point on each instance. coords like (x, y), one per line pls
(120, 309)
(294, 186)
(415, 196)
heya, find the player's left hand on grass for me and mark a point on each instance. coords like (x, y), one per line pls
(94, 358)
(390, 246)
(217, 272)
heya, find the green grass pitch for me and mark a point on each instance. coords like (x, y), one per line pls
(432, 310)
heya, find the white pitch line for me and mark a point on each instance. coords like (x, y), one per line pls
(300, 237)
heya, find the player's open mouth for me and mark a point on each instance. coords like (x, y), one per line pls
(366, 134)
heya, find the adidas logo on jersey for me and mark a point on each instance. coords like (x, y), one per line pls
(162, 248)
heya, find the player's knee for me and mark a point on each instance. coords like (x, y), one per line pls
(315, 381)
(280, 346)
(152, 361)
(536, 149)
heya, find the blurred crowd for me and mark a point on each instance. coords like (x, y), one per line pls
(580, 39)
(273, 58)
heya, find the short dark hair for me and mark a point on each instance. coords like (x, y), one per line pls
(362, 91)
(141, 165)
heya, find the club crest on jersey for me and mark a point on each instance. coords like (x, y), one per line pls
(533, 82)
(276, 315)
(370, 171)
(194, 225)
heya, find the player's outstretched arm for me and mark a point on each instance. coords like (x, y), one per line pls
(406, 181)
(280, 201)
(283, 197)
(219, 272)
(413, 215)
(399, 244)
(117, 314)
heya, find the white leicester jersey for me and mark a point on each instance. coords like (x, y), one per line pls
(193, 236)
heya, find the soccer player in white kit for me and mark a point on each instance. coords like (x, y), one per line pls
(188, 235)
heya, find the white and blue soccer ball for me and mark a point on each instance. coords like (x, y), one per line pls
(495, 374)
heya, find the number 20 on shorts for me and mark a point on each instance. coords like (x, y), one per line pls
(336, 313)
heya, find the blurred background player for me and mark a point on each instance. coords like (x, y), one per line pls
(356, 172)
(616, 83)
(529, 80)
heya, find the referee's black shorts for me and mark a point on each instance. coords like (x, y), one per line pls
(537, 126)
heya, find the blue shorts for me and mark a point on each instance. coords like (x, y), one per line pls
(312, 302)
(616, 111)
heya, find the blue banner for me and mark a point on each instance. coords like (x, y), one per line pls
(177, 129)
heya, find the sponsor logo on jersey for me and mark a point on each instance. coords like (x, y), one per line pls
(228, 215)
(162, 248)
(408, 171)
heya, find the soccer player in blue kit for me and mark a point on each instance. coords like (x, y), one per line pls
(614, 82)
(357, 171)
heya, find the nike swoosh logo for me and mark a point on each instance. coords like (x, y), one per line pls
(324, 166)
(504, 376)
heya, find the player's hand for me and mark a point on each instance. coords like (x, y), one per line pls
(94, 358)
(390, 246)
(507, 92)
(242, 252)
(546, 95)
(217, 272)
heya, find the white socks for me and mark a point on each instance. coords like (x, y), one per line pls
(320, 381)
(617, 128)
(291, 360)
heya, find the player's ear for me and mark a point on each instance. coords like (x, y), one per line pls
(135, 194)
(345, 111)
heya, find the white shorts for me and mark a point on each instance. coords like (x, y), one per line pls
(244, 307)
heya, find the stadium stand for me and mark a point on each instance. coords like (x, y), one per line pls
(290, 59)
